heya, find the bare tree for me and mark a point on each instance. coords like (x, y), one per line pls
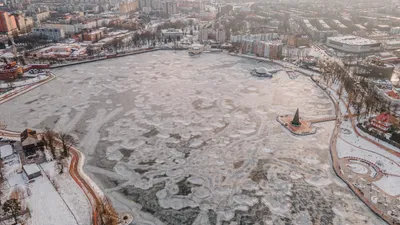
(49, 136)
(61, 164)
(67, 141)
(3, 125)
(108, 215)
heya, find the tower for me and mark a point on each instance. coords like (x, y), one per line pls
(296, 119)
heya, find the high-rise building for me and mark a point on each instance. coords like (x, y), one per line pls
(7, 23)
(145, 3)
(169, 7)
(220, 35)
(126, 7)
(54, 34)
(20, 21)
(203, 34)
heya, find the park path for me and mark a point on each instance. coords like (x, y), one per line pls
(22, 90)
(336, 159)
(76, 172)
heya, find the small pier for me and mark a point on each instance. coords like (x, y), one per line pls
(321, 120)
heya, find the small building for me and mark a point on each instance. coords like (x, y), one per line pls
(298, 40)
(6, 152)
(220, 36)
(383, 122)
(29, 142)
(32, 171)
(172, 34)
(93, 36)
(27, 133)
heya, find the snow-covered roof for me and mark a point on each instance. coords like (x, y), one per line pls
(8, 55)
(30, 141)
(261, 70)
(353, 40)
(31, 169)
(5, 151)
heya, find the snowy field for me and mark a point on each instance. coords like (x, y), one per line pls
(66, 205)
(181, 140)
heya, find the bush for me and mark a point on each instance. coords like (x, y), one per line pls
(381, 137)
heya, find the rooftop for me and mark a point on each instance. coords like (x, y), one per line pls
(31, 169)
(353, 40)
(172, 30)
(5, 151)
(393, 42)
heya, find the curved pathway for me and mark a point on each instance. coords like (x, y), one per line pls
(76, 172)
(22, 90)
(335, 158)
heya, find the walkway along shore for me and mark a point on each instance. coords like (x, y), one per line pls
(335, 158)
(21, 90)
(89, 187)
(135, 52)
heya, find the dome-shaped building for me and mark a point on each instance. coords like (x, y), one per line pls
(261, 72)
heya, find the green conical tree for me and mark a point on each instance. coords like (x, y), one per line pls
(296, 119)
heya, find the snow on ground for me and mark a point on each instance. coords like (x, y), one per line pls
(386, 165)
(46, 205)
(72, 194)
(25, 82)
(379, 141)
(390, 184)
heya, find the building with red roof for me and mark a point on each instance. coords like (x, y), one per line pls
(384, 121)
(393, 94)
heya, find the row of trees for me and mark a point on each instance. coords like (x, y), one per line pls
(360, 92)
(32, 41)
(50, 141)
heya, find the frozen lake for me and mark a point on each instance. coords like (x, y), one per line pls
(181, 140)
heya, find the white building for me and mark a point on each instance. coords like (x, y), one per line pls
(172, 33)
(324, 26)
(6, 152)
(32, 171)
(392, 45)
(220, 36)
(41, 16)
(146, 9)
(359, 26)
(257, 37)
(207, 15)
(203, 34)
(353, 44)
(395, 30)
(169, 7)
(76, 28)
(68, 28)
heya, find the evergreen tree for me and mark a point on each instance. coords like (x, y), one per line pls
(12, 207)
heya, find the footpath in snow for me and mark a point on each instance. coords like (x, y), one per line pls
(51, 198)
